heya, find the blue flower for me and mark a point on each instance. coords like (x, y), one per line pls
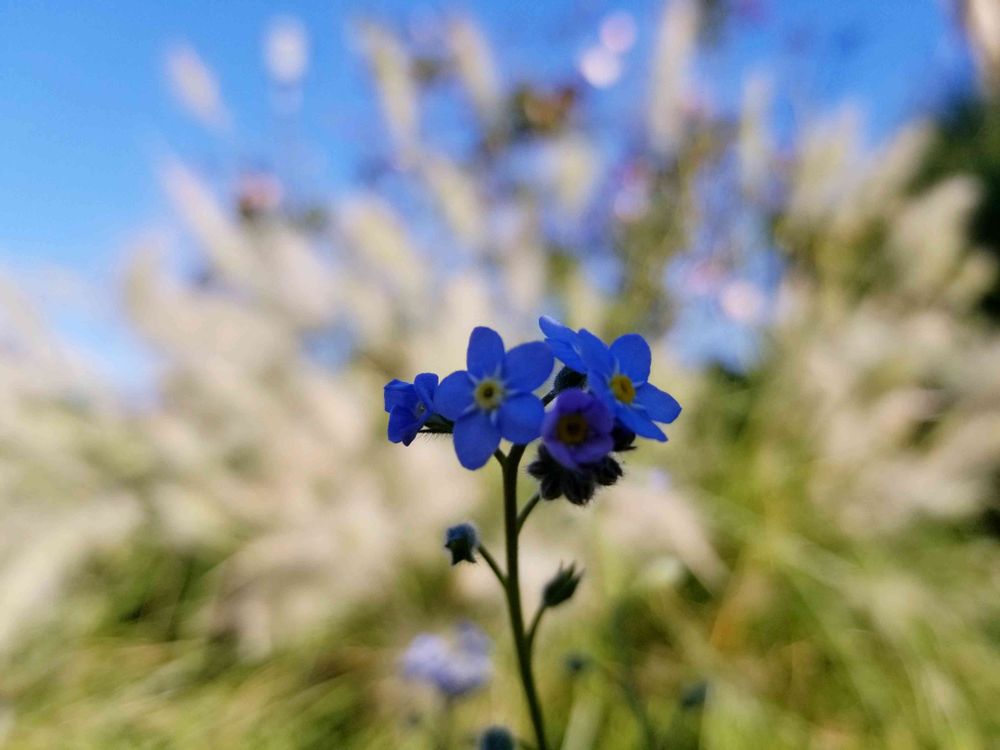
(564, 342)
(453, 666)
(577, 430)
(618, 376)
(410, 405)
(493, 398)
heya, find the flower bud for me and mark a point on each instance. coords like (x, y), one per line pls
(496, 738)
(562, 586)
(567, 378)
(694, 696)
(462, 541)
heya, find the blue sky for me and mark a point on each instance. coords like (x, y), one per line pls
(85, 110)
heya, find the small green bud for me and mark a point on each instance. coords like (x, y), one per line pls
(576, 663)
(562, 586)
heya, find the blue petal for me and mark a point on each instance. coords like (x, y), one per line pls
(426, 385)
(564, 342)
(553, 329)
(521, 418)
(454, 396)
(528, 366)
(597, 382)
(632, 353)
(660, 406)
(567, 355)
(476, 437)
(639, 423)
(403, 425)
(485, 355)
(398, 393)
(595, 354)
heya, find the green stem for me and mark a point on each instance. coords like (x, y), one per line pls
(526, 511)
(534, 627)
(627, 681)
(445, 729)
(492, 562)
(513, 590)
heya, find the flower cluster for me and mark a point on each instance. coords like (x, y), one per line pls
(602, 400)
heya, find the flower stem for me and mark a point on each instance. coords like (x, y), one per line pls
(494, 566)
(526, 511)
(534, 627)
(513, 591)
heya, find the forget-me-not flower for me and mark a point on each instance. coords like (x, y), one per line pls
(493, 398)
(410, 405)
(454, 667)
(577, 430)
(618, 375)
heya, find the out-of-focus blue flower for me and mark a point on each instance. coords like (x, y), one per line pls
(493, 398)
(564, 342)
(410, 405)
(455, 666)
(618, 376)
(577, 429)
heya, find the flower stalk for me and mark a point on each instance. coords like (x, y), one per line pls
(522, 644)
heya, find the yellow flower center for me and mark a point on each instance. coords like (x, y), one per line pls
(489, 394)
(621, 386)
(571, 429)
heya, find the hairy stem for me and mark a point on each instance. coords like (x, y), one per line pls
(513, 590)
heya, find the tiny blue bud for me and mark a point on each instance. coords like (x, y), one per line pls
(562, 586)
(496, 738)
(462, 541)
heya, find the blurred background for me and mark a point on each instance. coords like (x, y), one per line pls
(224, 226)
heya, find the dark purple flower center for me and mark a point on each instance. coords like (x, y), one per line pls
(572, 429)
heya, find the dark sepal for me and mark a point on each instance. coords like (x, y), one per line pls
(438, 425)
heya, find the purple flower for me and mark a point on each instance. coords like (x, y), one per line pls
(453, 666)
(577, 429)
